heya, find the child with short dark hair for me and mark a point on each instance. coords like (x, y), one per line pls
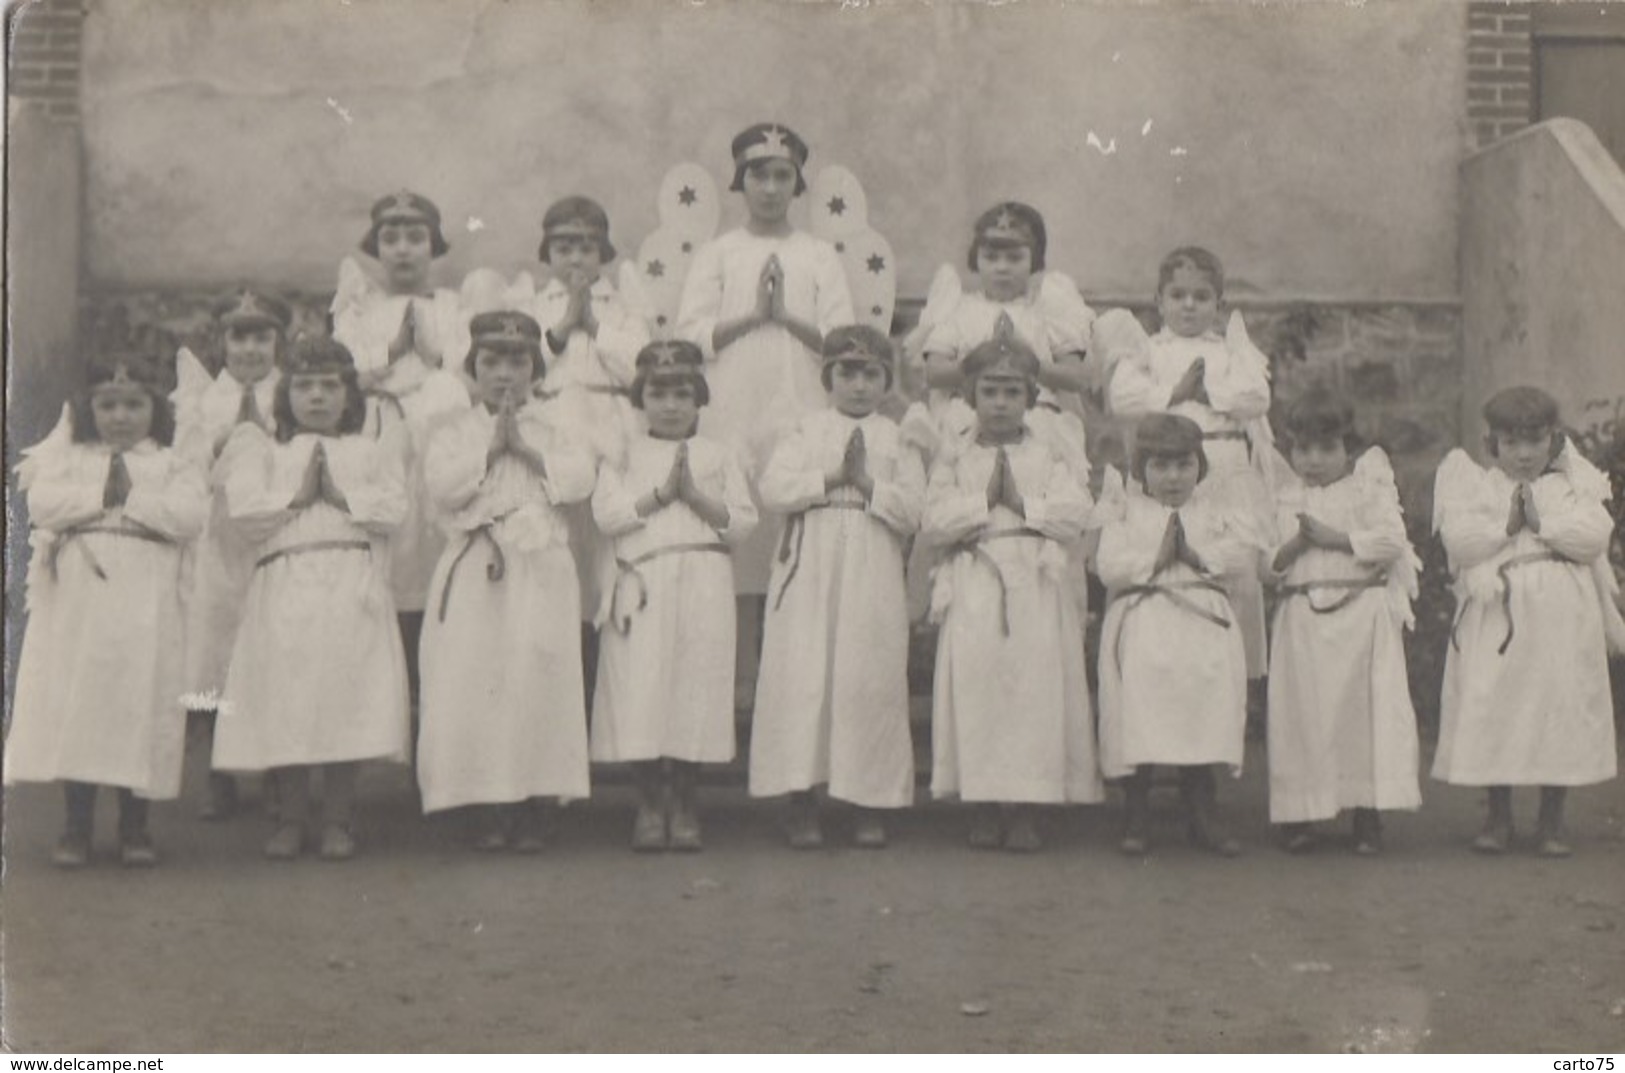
(1011, 715)
(1342, 732)
(832, 696)
(100, 679)
(1526, 696)
(1173, 675)
(664, 699)
(318, 678)
(504, 724)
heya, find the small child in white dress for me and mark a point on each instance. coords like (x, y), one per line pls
(1342, 732)
(1526, 697)
(832, 696)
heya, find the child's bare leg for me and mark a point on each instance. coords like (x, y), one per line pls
(986, 828)
(529, 825)
(1021, 829)
(1496, 837)
(750, 611)
(649, 828)
(1367, 832)
(1199, 790)
(135, 844)
(1549, 837)
(685, 819)
(801, 825)
(73, 849)
(338, 811)
(1137, 812)
(220, 801)
(293, 811)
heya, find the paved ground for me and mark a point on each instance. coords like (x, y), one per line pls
(422, 944)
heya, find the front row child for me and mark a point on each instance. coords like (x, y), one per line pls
(1173, 673)
(832, 696)
(99, 686)
(1526, 698)
(318, 677)
(1342, 732)
(1010, 719)
(664, 698)
(503, 722)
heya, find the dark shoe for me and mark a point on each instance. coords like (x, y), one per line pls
(649, 830)
(71, 852)
(1022, 834)
(986, 832)
(1297, 838)
(137, 851)
(338, 844)
(684, 830)
(802, 828)
(868, 832)
(286, 843)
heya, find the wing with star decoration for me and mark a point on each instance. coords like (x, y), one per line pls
(690, 207)
(838, 213)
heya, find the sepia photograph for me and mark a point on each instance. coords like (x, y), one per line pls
(814, 526)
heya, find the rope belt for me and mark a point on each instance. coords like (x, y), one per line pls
(629, 568)
(1233, 434)
(1503, 572)
(1045, 404)
(495, 570)
(795, 530)
(382, 397)
(1175, 591)
(69, 536)
(313, 546)
(1350, 587)
(591, 389)
(976, 550)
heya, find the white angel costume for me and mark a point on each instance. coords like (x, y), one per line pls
(502, 712)
(317, 675)
(100, 679)
(1173, 676)
(1342, 732)
(1236, 437)
(1010, 719)
(420, 390)
(1526, 696)
(766, 381)
(832, 696)
(666, 656)
(206, 410)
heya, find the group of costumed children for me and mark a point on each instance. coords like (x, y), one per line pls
(466, 490)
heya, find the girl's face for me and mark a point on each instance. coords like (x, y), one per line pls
(576, 255)
(769, 186)
(856, 387)
(1170, 480)
(250, 353)
(317, 401)
(502, 373)
(123, 414)
(1321, 462)
(1523, 456)
(1189, 302)
(671, 408)
(1005, 271)
(403, 250)
(1001, 406)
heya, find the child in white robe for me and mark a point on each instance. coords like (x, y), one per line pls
(318, 678)
(1173, 681)
(254, 330)
(503, 723)
(1526, 697)
(1342, 731)
(99, 683)
(1011, 715)
(758, 302)
(664, 698)
(832, 696)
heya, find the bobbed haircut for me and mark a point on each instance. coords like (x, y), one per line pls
(1167, 436)
(1196, 258)
(137, 369)
(1026, 217)
(1319, 415)
(319, 357)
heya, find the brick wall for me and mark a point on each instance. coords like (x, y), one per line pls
(43, 57)
(1500, 70)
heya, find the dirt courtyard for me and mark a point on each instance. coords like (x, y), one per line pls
(422, 944)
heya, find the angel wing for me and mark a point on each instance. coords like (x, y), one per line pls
(354, 288)
(629, 282)
(485, 290)
(35, 458)
(1456, 482)
(837, 207)
(940, 302)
